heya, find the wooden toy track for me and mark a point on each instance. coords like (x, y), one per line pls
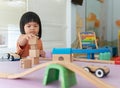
(77, 69)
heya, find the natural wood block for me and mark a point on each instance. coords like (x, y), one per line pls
(26, 63)
(34, 53)
(33, 40)
(62, 57)
(33, 47)
(35, 60)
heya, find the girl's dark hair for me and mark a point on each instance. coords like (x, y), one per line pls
(30, 17)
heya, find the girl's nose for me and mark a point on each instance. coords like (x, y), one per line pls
(32, 28)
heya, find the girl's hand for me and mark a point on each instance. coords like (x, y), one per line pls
(42, 53)
(24, 38)
(29, 36)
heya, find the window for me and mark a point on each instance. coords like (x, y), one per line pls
(10, 13)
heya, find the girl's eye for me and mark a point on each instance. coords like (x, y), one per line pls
(35, 25)
(28, 26)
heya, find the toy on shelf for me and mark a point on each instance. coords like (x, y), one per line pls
(87, 40)
(99, 71)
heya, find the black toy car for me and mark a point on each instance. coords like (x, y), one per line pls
(13, 57)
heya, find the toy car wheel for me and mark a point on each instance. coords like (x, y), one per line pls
(100, 73)
(11, 58)
(87, 69)
(8, 55)
(107, 73)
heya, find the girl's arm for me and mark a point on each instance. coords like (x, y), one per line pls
(22, 40)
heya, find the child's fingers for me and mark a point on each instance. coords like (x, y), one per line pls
(29, 36)
(42, 53)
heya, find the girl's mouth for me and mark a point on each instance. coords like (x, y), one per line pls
(33, 33)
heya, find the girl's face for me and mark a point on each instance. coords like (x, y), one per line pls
(31, 27)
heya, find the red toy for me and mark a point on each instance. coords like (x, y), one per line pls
(117, 60)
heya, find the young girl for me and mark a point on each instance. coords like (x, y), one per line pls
(30, 26)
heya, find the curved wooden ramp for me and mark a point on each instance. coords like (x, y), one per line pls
(77, 69)
(29, 71)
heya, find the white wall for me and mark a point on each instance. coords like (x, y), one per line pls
(53, 17)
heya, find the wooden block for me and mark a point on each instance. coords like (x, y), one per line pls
(34, 53)
(35, 60)
(63, 57)
(26, 63)
(33, 47)
(33, 40)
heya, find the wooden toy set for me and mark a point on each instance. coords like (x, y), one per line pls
(64, 67)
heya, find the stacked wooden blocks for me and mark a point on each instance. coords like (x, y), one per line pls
(33, 54)
(34, 51)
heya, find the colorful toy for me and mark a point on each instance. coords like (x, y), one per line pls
(87, 40)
